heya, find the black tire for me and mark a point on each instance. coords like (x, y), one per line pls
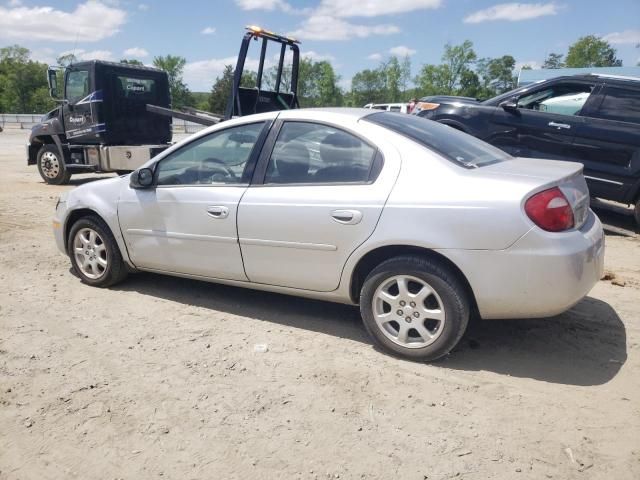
(115, 270)
(51, 166)
(447, 286)
(636, 213)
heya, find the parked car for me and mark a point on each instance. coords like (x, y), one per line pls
(433, 101)
(418, 224)
(389, 107)
(591, 119)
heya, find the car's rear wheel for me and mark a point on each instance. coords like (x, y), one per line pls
(415, 307)
(94, 253)
(51, 166)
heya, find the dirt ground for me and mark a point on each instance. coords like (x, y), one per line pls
(159, 378)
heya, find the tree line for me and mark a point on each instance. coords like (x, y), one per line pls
(23, 83)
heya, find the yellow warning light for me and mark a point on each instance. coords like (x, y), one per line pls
(254, 28)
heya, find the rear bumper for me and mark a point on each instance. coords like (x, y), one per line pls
(541, 275)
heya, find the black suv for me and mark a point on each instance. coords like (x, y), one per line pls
(591, 119)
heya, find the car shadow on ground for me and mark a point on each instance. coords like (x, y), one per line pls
(584, 346)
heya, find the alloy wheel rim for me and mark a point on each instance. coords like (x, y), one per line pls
(408, 311)
(50, 165)
(90, 253)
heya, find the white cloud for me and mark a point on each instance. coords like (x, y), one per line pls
(317, 57)
(373, 8)
(402, 51)
(47, 23)
(208, 31)
(264, 5)
(376, 57)
(513, 12)
(622, 38)
(200, 75)
(82, 54)
(143, 7)
(136, 52)
(320, 27)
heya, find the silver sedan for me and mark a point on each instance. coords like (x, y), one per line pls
(418, 224)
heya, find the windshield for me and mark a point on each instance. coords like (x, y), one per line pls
(460, 148)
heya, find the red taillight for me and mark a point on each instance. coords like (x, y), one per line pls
(550, 210)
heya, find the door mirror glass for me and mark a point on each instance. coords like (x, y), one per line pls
(510, 104)
(142, 178)
(52, 80)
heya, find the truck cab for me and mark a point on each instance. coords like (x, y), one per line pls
(102, 123)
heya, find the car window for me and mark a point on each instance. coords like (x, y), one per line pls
(561, 99)
(454, 145)
(315, 153)
(620, 104)
(218, 158)
(77, 86)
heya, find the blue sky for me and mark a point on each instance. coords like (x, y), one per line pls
(352, 34)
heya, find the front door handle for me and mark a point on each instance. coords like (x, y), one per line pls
(347, 217)
(218, 211)
(559, 126)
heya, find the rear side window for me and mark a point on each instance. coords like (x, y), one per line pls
(316, 153)
(460, 148)
(621, 104)
(133, 88)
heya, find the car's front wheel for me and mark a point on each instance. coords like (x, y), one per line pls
(94, 253)
(415, 307)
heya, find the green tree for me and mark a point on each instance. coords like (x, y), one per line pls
(174, 66)
(500, 73)
(405, 76)
(221, 91)
(592, 51)
(448, 77)
(458, 59)
(368, 86)
(318, 84)
(131, 61)
(553, 60)
(23, 82)
(66, 59)
(392, 71)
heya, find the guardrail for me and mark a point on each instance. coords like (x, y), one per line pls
(24, 121)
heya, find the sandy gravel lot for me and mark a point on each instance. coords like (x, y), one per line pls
(158, 378)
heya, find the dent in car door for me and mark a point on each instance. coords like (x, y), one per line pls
(300, 235)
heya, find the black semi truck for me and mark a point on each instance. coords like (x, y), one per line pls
(113, 117)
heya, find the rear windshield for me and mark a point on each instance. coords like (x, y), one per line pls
(454, 145)
(136, 88)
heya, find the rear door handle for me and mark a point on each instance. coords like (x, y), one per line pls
(347, 217)
(559, 125)
(218, 211)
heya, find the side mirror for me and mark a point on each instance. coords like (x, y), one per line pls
(52, 80)
(510, 104)
(142, 178)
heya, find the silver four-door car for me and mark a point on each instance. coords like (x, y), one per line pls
(419, 224)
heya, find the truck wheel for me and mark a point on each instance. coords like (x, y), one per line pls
(51, 167)
(414, 307)
(636, 212)
(94, 253)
